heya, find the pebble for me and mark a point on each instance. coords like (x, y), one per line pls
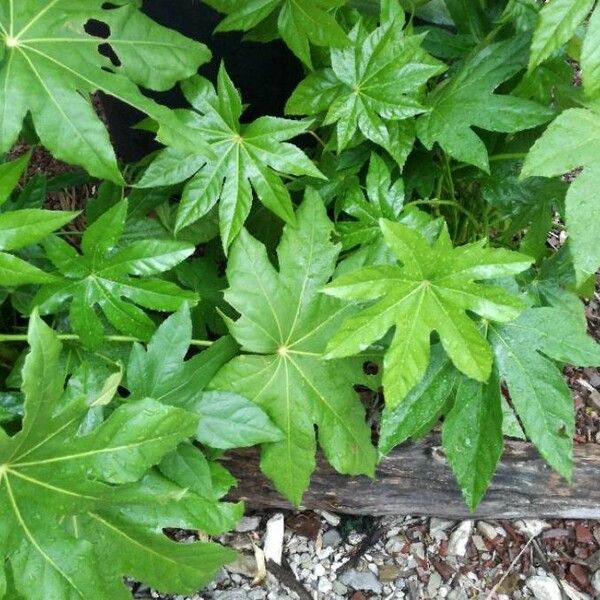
(388, 573)
(457, 546)
(531, 527)
(361, 580)
(330, 518)
(331, 538)
(247, 524)
(544, 588)
(434, 583)
(339, 588)
(479, 543)
(324, 586)
(487, 531)
(395, 544)
(595, 581)
(436, 524)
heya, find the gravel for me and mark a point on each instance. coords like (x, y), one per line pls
(413, 559)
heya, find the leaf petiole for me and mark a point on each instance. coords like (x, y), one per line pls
(116, 339)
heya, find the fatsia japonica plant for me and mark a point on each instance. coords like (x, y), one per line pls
(406, 250)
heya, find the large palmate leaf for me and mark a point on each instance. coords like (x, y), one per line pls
(300, 22)
(431, 291)
(227, 420)
(69, 498)
(467, 100)
(524, 352)
(573, 140)
(247, 157)
(372, 86)
(105, 274)
(49, 65)
(283, 329)
(21, 228)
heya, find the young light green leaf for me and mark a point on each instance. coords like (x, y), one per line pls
(284, 327)
(102, 276)
(472, 436)
(371, 87)
(52, 65)
(468, 100)
(247, 157)
(573, 140)
(523, 351)
(557, 22)
(431, 291)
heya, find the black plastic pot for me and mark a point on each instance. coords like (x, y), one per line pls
(265, 73)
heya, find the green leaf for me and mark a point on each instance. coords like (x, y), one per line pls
(472, 436)
(247, 157)
(590, 55)
(431, 291)
(423, 405)
(371, 87)
(300, 22)
(573, 140)
(15, 271)
(283, 329)
(467, 100)
(228, 420)
(10, 174)
(51, 66)
(113, 279)
(22, 228)
(524, 352)
(159, 371)
(527, 204)
(557, 23)
(150, 556)
(64, 516)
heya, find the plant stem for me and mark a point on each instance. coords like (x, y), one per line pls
(117, 339)
(453, 203)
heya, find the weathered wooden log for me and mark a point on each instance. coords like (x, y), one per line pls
(415, 479)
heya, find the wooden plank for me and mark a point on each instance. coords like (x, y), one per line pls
(415, 479)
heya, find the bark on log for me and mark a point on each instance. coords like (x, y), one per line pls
(415, 479)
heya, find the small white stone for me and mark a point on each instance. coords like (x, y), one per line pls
(330, 518)
(531, 527)
(324, 586)
(273, 546)
(544, 588)
(459, 539)
(319, 570)
(246, 524)
(436, 524)
(596, 581)
(572, 593)
(479, 544)
(486, 530)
